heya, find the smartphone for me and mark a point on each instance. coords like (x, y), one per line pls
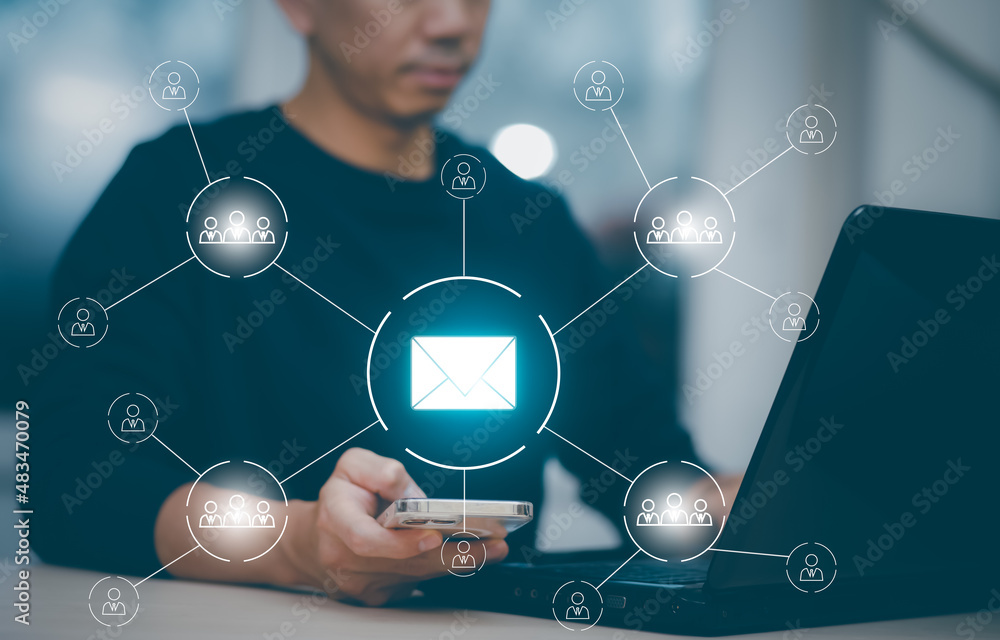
(484, 518)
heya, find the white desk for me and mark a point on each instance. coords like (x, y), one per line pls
(181, 609)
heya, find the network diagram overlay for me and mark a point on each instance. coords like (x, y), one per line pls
(467, 364)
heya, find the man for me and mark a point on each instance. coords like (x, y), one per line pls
(291, 387)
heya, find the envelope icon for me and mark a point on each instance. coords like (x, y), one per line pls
(463, 373)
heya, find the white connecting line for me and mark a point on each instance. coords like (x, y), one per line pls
(758, 170)
(601, 298)
(339, 308)
(598, 587)
(749, 553)
(207, 177)
(175, 454)
(136, 585)
(328, 452)
(587, 454)
(111, 306)
(624, 137)
(744, 284)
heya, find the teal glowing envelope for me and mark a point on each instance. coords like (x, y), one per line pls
(463, 373)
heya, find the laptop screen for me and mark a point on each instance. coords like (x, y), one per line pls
(882, 441)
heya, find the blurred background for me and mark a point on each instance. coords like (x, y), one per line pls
(708, 84)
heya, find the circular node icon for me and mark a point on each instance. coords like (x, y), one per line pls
(82, 322)
(811, 129)
(577, 605)
(132, 417)
(462, 372)
(463, 176)
(598, 85)
(174, 85)
(670, 511)
(237, 227)
(811, 567)
(794, 316)
(113, 601)
(249, 519)
(684, 227)
(463, 554)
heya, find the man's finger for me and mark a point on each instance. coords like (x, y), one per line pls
(355, 526)
(383, 476)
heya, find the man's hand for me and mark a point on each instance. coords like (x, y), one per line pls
(336, 544)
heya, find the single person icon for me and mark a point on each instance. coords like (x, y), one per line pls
(262, 519)
(210, 519)
(684, 233)
(598, 91)
(674, 515)
(114, 606)
(236, 233)
(710, 235)
(811, 134)
(210, 235)
(658, 235)
(133, 423)
(810, 572)
(463, 559)
(262, 235)
(235, 516)
(648, 516)
(174, 90)
(794, 321)
(701, 517)
(577, 610)
(82, 328)
(463, 180)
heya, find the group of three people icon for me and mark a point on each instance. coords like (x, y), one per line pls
(236, 233)
(236, 518)
(684, 232)
(674, 515)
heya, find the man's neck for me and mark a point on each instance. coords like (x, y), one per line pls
(342, 129)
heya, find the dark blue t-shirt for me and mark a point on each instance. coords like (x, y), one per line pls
(263, 369)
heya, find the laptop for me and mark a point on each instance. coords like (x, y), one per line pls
(881, 446)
